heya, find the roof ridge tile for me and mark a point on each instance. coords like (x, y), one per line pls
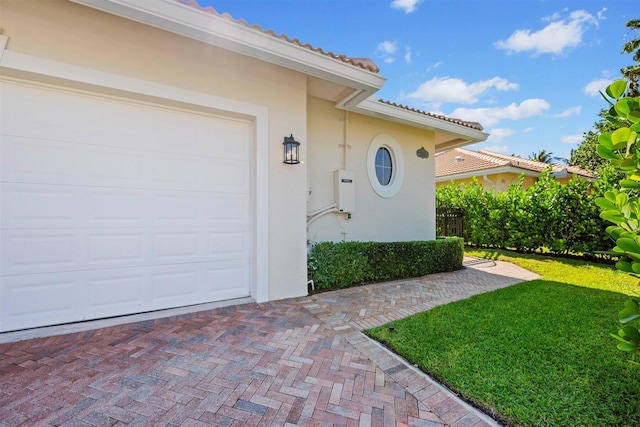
(363, 63)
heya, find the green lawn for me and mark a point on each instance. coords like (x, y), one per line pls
(534, 354)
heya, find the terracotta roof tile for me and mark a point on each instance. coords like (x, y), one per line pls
(364, 63)
(459, 161)
(472, 125)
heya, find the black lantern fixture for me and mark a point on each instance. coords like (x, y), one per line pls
(291, 150)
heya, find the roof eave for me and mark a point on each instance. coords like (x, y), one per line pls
(506, 169)
(460, 135)
(488, 171)
(196, 24)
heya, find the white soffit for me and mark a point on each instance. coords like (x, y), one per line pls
(172, 16)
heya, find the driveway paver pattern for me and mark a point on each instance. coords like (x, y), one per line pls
(296, 362)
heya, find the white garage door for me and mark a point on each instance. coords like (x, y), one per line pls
(111, 207)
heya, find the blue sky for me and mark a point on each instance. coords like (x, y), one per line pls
(528, 70)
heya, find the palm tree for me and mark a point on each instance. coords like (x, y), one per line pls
(543, 156)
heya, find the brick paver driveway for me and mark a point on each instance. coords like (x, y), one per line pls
(294, 362)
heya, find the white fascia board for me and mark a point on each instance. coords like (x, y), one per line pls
(172, 16)
(372, 107)
(494, 171)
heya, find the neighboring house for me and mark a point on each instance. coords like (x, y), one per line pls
(497, 171)
(142, 159)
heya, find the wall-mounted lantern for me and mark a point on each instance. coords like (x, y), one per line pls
(291, 150)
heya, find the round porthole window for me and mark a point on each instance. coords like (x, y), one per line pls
(385, 166)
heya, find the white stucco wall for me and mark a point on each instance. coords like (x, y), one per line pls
(410, 215)
(68, 33)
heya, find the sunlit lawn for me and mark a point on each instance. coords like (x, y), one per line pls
(534, 354)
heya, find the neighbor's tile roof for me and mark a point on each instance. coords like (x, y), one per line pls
(472, 125)
(459, 160)
(364, 63)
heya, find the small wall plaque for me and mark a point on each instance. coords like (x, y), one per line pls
(422, 153)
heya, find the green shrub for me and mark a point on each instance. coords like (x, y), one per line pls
(339, 265)
(562, 219)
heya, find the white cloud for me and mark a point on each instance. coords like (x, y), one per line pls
(497, 148)
(594, 87)
(387, 47)
(439, 90)
(434, 66)
(556, 38)
(386, 51)
(555, 16)
(601, 14)
(407, 5)
(572, 111)
(572, 139)
(527, 130)
(499, 134)
(407, 55)
(492, 116)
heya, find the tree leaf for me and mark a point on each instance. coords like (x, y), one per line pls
(624, 346)
(605, 204)
(628, 183)
(622, 199)
(628, 245)
(629, 313)
(616, 89)
(620, 137)
(625, 266)
(612, 216)
(631, 333)
(606, 153)
(623, 107)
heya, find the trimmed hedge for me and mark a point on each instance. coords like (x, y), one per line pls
(547, 216)
(339, 265)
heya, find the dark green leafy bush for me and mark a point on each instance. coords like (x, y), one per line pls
(560, 218)
(339, 265)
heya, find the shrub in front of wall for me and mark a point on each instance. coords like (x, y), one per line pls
(339, 265)
(547, 216)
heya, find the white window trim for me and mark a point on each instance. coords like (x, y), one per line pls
(397, 162)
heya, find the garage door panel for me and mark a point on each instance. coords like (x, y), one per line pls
(33, 300)
(228, 244)
(229, 176)
(64, 206)
(111, 207)
(177, 246)
(222, 209)
(178, 208)
(114, 122)
(227, 277)
(26, 302)
(36, 206)
(29, 251)
(110, 292)
(65, 163)
(36, 251)
(26, 160)
(111, 249)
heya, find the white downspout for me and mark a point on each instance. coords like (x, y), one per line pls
(345, 142)
(493, 184)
